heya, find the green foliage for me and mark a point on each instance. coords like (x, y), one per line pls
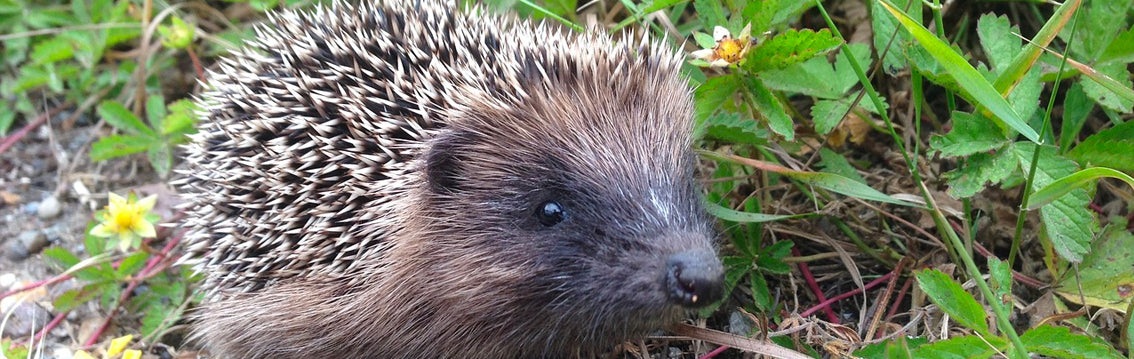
(1112, 148)
(953, 300)
(166, 130)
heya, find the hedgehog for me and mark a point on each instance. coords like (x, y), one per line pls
(410, 179)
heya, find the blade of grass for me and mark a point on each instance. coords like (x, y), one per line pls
(1024, 61)
(549, 13)
(966, 76)
(733, 215)
(1076, 180)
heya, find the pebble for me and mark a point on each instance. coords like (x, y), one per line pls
(27, 243)
(739, 324)
(24, 316)
(49, 208)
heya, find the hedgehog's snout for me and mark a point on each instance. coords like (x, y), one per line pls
(694, 278)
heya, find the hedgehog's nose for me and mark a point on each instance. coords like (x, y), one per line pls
(694, 278)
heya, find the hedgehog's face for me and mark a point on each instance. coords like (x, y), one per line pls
(602, 220)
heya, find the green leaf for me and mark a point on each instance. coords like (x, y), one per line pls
(181, 119)
(1001, 283)
(971, 134)
(816, 77)
(998, 40)
(827, 114)
(1110, 86)
(1076, 107)
(980, 168)
(705, 41)
(885, 35)
(155, 111)
(790, 48)
(713, 94)
(1068, 224)
(839, 184)
(832, 162)
(961, 348)
(1121, 50)
(131, 264)
(733, 128)
(897, 348)
(117, 146)
(61, 256)
(121, 118)
(953, 300)
(771, 258)
(978, 89)
(733, 215)
(161, 157)
(1104, 276)
(711, 13)
(1077, 180)
(770, 106)
(52, 50)
(1059, 342)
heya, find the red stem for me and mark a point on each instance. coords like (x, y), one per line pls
(11, 140)
(839, 297)
(810, 279)
(150, 270)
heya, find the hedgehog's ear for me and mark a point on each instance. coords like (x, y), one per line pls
(443, 164)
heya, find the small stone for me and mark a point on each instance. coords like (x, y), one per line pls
(739, 324)
(16, 251)
(25, 316)
(33, 241)
(49, 208)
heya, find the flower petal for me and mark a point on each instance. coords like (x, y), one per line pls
(114, 200)
(102, 230)
(719, 63)
(146, 204)
(143, 229)
(720, 33)
(703, 54)
(118, 344)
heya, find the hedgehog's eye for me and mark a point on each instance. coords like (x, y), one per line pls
(550, 213)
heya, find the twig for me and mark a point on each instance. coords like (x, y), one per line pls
(39, 120)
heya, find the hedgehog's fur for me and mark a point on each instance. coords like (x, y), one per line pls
(366, 181)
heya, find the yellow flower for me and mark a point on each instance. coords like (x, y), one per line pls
(132, 354)
(117, 344)
(728, 50)
(82, 354)
(125, 218)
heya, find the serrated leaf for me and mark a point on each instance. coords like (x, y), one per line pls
(61, 256)
(816, 77)
(898, 348)
(961, 348)
(713, 94)
(1100, 22)
(980, 168)
(972, 82)
(1121, 50)
(1104, 276)
(1067, 222)
(998, 40)
(953, 300)
(789, 48)
(180, 121)
(767, 104)
(827, 114)
(132, 263)
(711, 13)
(121, 118)
(733, 128)
(971, 134)
(117, 146)
(52, 50)
(1059, 342)
(885, 35)
(771, 258)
